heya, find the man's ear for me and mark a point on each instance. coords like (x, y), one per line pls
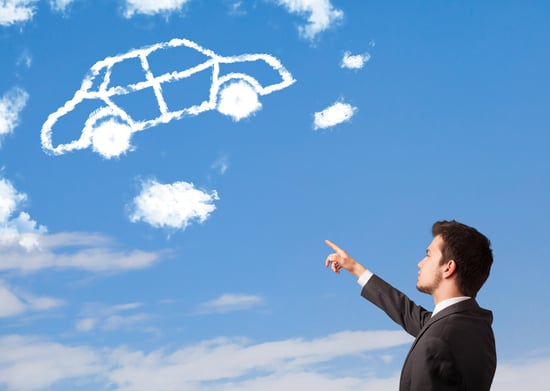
(449, 268)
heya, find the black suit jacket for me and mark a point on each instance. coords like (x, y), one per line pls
(454, 350)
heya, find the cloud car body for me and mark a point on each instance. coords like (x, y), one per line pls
(105, 93)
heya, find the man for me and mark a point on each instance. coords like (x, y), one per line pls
(454, 347)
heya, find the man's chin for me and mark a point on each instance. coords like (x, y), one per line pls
(423, 289)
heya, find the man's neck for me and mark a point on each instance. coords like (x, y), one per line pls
(444, 294)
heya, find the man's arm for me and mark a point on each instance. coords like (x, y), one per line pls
(394, 303)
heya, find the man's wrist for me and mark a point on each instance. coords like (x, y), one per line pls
(358, 269)
(364, 277)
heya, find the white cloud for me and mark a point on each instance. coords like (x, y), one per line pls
(112, 139)
(12, 304)
(222, 164)
(115, 322)
(25, 246)
(110, 318)
(19, 231)
(41, 303)
(25, 59)
(86, 324)
(60, 5)
(230, 365)
(322, 15)
(109, 130)
(28, 363)
(236, 8)
(238, 100)
(354, 61)
(333, 115)
(152, 7)
(173, 205)
(230, 302)
(11, 104)
(16, 11)
(523, 375)
(84, 251)
(234, 362)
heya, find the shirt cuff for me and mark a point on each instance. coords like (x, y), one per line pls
(364, 278)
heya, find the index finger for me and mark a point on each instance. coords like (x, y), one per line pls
(333, 246)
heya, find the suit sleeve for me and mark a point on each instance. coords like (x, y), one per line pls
(396, 305)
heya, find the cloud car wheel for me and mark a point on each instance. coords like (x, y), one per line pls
(238, 99)
(109, 132)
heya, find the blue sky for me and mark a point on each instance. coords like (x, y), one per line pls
(188, 254)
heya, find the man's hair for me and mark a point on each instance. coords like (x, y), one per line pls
(471, 251)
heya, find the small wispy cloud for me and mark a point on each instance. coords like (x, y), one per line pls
(80, 251)
(173, 205)
(354, 61)
(60, 5)
(12, 303)
(333, 115)
(16, 11)
(236, 7)
(322, 15)
(230, 302)
(11, 105)
(153, 7)
(111, 318)
(24, 60)
(221, 165)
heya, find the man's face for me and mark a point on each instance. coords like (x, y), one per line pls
(429, 275)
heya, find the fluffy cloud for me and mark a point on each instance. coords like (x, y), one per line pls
(230, 302)
(322, 15)
(11, 104)
(354, 61)
(21, 230)
(333, 115)
(173, 205)
(152, 7)
(238, 100)
(16, 11)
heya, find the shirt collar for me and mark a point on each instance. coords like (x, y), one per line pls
(448, 302)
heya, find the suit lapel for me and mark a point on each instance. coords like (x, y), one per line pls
(453, 309)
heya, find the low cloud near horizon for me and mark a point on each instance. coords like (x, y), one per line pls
(233, 363)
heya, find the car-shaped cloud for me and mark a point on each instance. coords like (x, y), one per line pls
(226, 93)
